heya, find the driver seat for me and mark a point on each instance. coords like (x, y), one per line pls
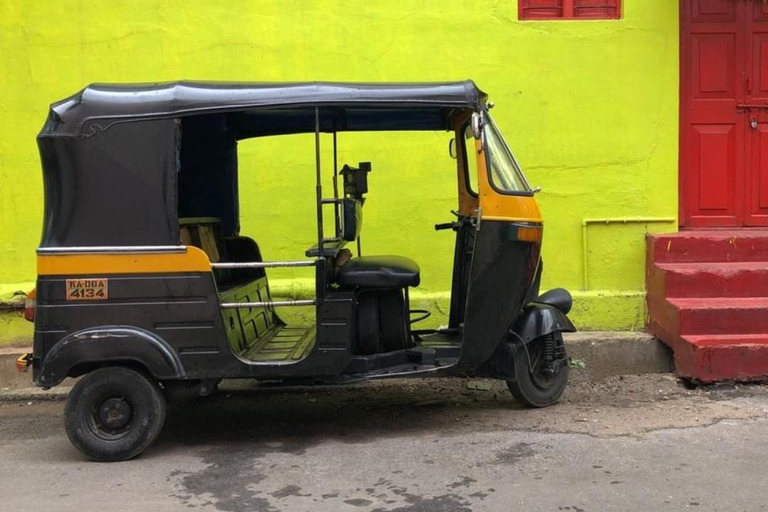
(379, 272)
(371, 271)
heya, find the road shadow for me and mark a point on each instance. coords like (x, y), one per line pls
(359, 413)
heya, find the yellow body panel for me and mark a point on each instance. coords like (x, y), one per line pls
(497, 206)
(192, 260)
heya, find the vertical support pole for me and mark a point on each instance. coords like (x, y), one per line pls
(319, 184)
(336, 184)
(320, 271)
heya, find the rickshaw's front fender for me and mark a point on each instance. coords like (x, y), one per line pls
(539, 319)
(109, 345)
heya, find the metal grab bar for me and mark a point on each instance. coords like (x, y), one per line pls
(273, 303)
(265, 264)
(113, 249)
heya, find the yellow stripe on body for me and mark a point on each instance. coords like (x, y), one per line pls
(190, 260)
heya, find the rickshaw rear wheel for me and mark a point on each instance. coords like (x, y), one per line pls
(114, 414)
(540, 377)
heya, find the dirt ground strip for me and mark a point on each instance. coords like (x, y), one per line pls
(617, 406)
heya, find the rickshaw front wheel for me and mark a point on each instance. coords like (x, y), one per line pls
(541, 372)
(114, 414)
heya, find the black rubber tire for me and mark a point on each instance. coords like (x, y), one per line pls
(526, 390)
(147, 407)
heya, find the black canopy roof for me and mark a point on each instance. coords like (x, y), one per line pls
(121, 163)
(175, 99)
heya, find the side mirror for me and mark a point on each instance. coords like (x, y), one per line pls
(476, 125)
(452, 149)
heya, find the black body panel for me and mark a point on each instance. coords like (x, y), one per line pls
(180, 312)
(503, 269)
(462, 265)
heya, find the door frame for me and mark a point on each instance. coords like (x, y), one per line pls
(683, 7)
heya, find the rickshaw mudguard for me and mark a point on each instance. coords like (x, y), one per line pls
(109, 344)
(539, 319)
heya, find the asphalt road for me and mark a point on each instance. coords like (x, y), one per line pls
(639, 443)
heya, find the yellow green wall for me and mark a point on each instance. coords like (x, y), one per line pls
(590, 108)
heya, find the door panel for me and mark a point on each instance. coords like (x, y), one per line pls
(760, 11)
(712, 127)
(714, 147)
(757, 137)
(758, 85)
(758, 200)
(712, 150)
(712, 11)
(713, 66)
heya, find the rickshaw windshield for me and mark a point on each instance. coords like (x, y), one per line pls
(506, 175)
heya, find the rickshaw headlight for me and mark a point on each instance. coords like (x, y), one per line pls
(529, 233)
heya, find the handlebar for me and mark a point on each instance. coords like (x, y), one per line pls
(447, 225)
(457, 224)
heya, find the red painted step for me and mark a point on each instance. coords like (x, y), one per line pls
(724, 357)
(739, 279)
(708, 300)
(722, 315)
(710, 246)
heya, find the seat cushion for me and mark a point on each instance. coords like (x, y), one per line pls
(379, 272)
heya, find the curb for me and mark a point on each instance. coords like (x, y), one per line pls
(34, 394)
(596, 355)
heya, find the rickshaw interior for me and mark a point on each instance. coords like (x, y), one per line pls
(385, 333)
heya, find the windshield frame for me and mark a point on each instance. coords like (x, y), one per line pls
(487, 123)
(469, 150)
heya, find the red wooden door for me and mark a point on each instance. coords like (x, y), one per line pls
(724, 128)
(757, 117)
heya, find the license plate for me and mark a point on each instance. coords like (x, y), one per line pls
(87, 289)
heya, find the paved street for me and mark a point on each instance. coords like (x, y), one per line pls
(638, 443)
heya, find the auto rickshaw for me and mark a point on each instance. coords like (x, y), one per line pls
(147, 289)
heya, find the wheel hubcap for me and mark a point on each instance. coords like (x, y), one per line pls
(114, 414)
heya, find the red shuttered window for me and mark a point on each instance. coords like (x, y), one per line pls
(569, 9)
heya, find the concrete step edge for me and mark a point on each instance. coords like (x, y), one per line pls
(714, 267)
